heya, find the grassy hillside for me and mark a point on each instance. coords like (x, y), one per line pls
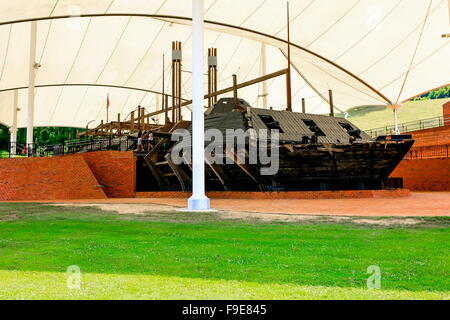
(370, 117)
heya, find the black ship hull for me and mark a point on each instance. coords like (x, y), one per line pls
(314, 153)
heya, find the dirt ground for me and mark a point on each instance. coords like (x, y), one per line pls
(144, 209)
(418, 205)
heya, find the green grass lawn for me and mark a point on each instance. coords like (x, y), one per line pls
(201, 256)
(372, 117)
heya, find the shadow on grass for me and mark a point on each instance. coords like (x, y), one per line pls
(46, 238)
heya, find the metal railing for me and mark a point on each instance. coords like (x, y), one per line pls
(69, 147)
(8, 150)
(410, 126)
(428, 152)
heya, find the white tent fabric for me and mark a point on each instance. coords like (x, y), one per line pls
(361, 49)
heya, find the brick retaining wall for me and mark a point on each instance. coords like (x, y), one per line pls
(59, 178)
(425, 174)
(115, 169)
(283, 195)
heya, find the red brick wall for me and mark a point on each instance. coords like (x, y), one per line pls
(115, 169)
(59, 178)
(431, 137)
(282, 195)
(446, 112)
(424, 175)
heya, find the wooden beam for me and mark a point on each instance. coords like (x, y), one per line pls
(209, 78)
(233, 155)
(180, 100)
(183, 178)
(220, 174)
(119, 126)
(230, 89)
(235, 92)
(330, 93)
(132, 123)
(303, 105)
(214, 98)
(174, 86)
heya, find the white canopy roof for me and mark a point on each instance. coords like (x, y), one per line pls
(361, 49)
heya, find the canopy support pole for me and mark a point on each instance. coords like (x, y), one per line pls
(198, 201)
(396, 121)
(31, 85)
(13, 130)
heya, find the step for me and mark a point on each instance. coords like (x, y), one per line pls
(163, 163)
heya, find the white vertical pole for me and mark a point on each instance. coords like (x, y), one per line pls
(13, 130)
(264, 72)
(396, 120)
(31, 84)
(198, 201)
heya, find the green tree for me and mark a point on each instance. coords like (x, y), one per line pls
(41, 135)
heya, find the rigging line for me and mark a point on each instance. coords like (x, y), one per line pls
(114, 50)
(419, 63)
(248, 74)
(344, 82)
(84, 37)
(299, 91)
(304, 78)
(146, 53)
(6, 52)
(151, 44)
(369, 32)
(232, 55)
(253, 12)
(415, 51)
(296, 17)
(399, 44)
(183, 42)
(110, 5)
(87, 89)
(169, 66)
(54, 7)
(79, 106)
(186, 79)
(70, 70)
(342, 93)
(240, 42)
(45, 45)
(334, 24)
(111, 55)
(181, 20)
(126, 101)
(48, 35)
(209, 8)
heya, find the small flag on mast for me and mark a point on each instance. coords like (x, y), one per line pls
(107, 108)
